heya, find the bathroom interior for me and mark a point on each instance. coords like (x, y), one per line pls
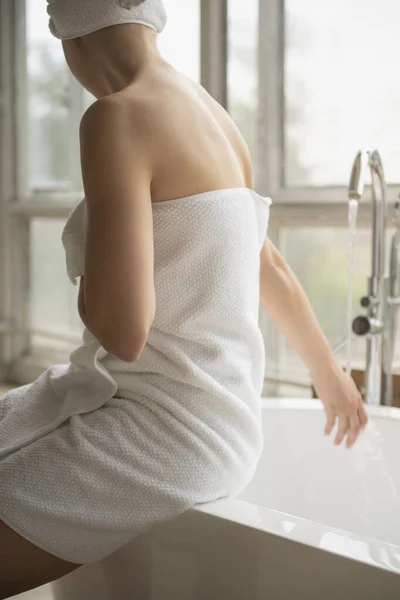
(314, 88)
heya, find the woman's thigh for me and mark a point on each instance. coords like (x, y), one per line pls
(24, 566)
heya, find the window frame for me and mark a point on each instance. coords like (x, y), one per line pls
(14, 247)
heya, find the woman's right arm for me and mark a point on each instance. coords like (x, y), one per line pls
(282, 296)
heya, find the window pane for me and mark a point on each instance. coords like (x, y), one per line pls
(48, 101)
(53, 301)
(179, 43)
(242, 68)
(318, 256)
(342, 90)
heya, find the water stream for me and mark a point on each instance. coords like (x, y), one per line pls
(352, 220)
(380, 488)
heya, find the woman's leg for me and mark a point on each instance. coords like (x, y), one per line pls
(24, 566)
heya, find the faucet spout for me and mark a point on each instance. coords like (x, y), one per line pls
(358, 175)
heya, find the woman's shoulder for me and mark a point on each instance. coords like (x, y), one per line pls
(123, 121)
(116, 108)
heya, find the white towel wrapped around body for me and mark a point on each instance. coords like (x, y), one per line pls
(96, 452)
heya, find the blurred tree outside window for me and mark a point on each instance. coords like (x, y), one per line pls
(48, 95)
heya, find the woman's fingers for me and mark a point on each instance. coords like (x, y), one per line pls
(354, 430)
(343, 403)
(344, 426)
(330, 423)
(362, 415)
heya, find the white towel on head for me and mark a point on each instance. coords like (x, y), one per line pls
(73, 18)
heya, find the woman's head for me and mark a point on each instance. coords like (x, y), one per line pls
(107, 41)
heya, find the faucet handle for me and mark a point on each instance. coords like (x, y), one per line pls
(366, 325)
(369, 301)
(361, 326)
(365, 302)
(396, 214)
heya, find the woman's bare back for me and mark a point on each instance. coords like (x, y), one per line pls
(194, 144)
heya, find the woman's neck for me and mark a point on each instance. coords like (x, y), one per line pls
(115, 57)
(116, 75)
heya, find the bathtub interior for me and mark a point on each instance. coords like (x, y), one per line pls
(302, 473)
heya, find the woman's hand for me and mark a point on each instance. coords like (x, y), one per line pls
(342, 400)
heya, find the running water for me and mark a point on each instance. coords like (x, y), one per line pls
(380, 489)
(353, 210)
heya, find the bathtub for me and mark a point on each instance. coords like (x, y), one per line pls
(316, 522)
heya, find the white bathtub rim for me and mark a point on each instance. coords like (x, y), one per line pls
(385, 556)
(380, 554)
(305, 404)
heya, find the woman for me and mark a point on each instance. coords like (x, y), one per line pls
(159, 409)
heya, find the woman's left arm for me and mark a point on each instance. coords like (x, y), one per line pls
(118, 293)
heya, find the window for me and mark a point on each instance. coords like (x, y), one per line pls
(53, 160)
(180, 41)
(49, 107)
(342, 90)
(54, 317)
(243, 68)
(319, 258)
(328, 87)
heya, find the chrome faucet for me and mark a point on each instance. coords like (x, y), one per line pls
(372, 325)
(392, 294)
